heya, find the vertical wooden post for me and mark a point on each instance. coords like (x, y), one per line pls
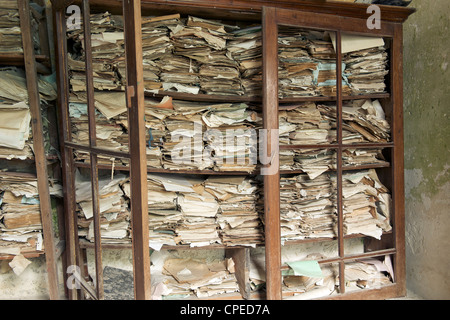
(68, 174)
(398, 192)
(93, 143)
(339, 181)
(138, 165)
(38, 147)
(271, 181)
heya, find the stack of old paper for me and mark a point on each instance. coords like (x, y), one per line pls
(238, 217)
(164, 215)
(305, 124)
(314, 162)
(183, 146)
(157, 51)
(198, 41)
(307, 279)
(363, 120)
(246, 49)
(354, 157)
(177, 276)
(20, 218)
(109, 133)
(230, 138)
(180, 211)
(107, 41)
(113, 209)
(366, 204)
(206, 42)
(296, 70)
(14, 128)
(15, 116)
(307, 209)
(307, 64)
(10, 33)
(13, 87)
(365, 61)
(199, 226)
(368, 274)
(104, 76)
(196, 209)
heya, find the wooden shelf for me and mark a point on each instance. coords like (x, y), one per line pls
(364, 145)
(331, 98)
(85, 244)
(204, 97)
(28, 255)
(17, 59)
(344, 168)
(258, 99)
(162, 170)
(224, 173)
(337, 17)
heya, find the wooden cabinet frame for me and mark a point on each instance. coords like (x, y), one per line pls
(335, 17)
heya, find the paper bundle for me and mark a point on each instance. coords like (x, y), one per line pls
(231, 138)
(20, 217)
(365, 61)
(10, 33)
(355, 157)
(107, 41)
(238, 217)
(307, 209)
(113, 209)
(306, 124)
(363, 121)
(178, 276)
(246, 49)
(366, 204)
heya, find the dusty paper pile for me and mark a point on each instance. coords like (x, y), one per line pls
(307, 208)
(113, 209)
(307, 279)
(366, 204)
(238, 217)
(307, 64)
(10, 30)
(175, 276)
(363, 121)
(107, 51)
(20, 216)
(231, 138)
(15, 116)
(306, 124)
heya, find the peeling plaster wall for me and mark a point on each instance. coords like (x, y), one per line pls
(427, 148)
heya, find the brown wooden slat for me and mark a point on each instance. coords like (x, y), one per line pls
(38, 148)
(138, 173)
(226, 8)
(68, 174)
(93, 144)
(241, 258)
(271, 181)
(96, 150)
(339, 204)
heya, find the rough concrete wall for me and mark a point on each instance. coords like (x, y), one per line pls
(427, 144)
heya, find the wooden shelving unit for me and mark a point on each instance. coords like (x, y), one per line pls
(334, 17)
(33, 64)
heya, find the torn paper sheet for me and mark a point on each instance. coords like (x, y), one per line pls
(19, 264)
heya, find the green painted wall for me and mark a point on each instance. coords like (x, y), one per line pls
(427, 148)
